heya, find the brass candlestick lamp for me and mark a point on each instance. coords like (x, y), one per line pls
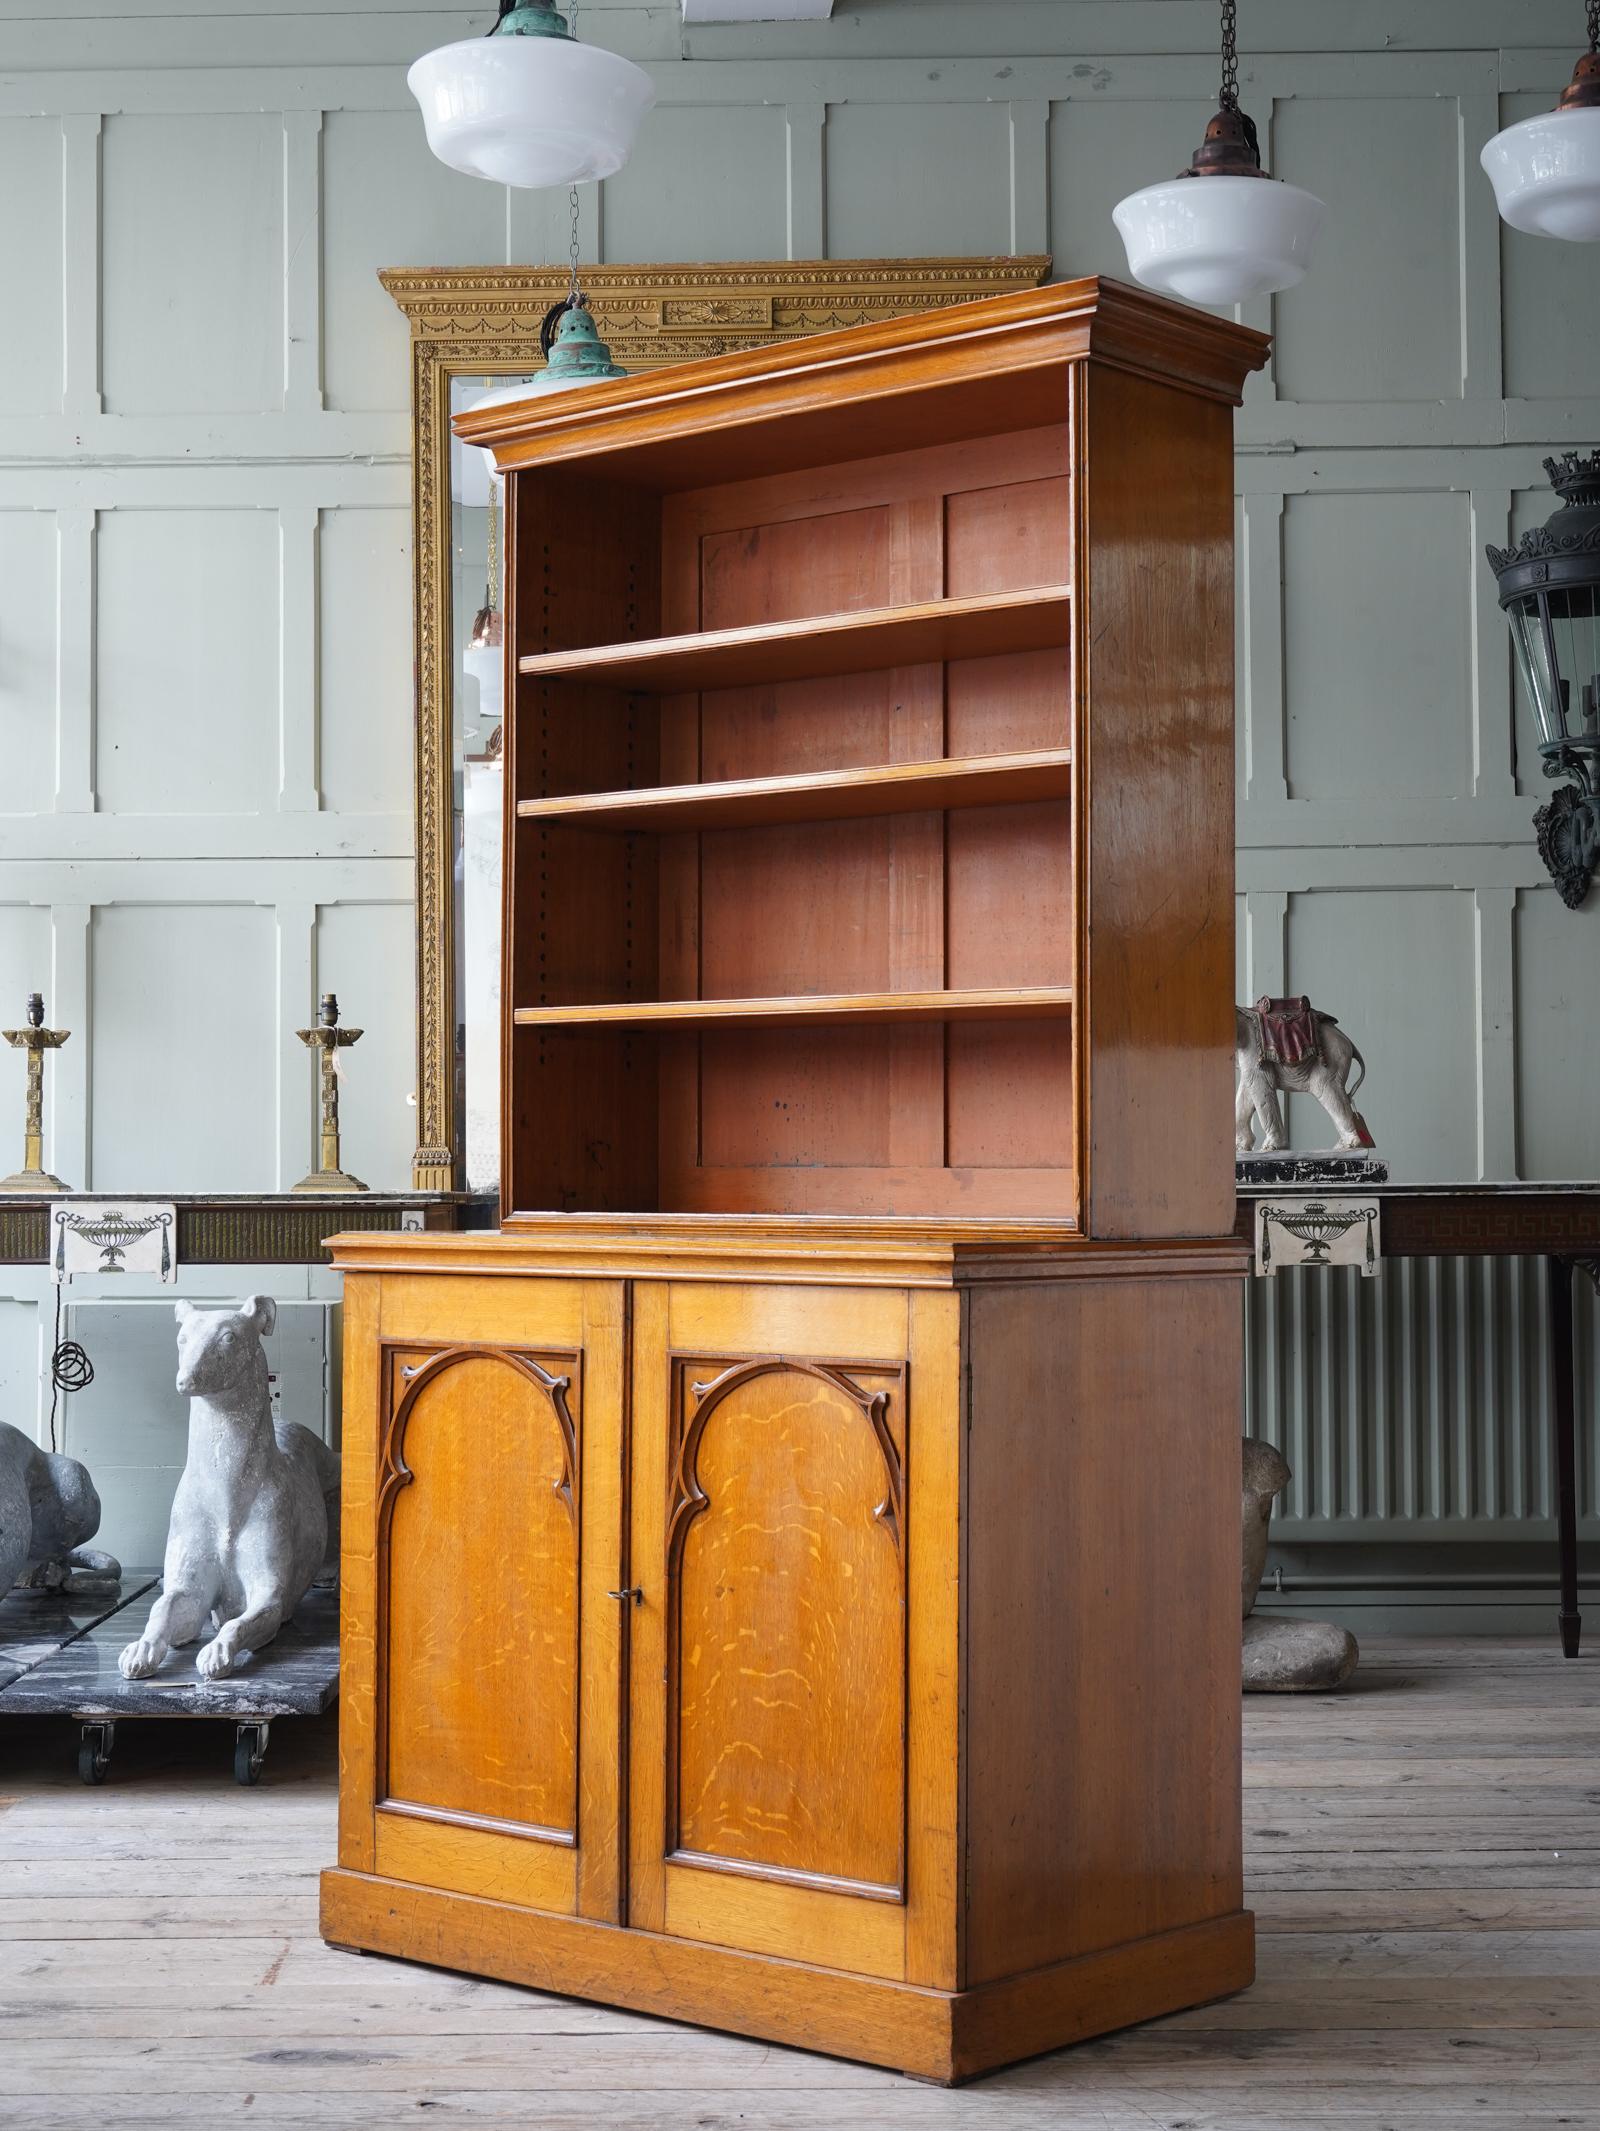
(328, 1039)
(35, 1039)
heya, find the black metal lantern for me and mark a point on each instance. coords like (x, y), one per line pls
(1550, 590)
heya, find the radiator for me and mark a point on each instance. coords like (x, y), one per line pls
(1417, 1405)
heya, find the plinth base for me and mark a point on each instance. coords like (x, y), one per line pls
(329, 1180)
(944, 2036)
(34, 1180)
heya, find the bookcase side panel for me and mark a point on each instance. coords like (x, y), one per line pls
(1101, 1614)
(1155, 771)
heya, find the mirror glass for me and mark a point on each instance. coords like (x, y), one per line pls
(477, 526)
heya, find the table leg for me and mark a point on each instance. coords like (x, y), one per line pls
(1561, 1374)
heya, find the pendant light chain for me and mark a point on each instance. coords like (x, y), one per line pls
(1230, 51)
(1594, 25)
(574, 293)
(491, 571)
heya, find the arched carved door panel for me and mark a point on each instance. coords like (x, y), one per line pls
(488, 1467)
(786, 1623)
(478, 1528)
(779, 1792)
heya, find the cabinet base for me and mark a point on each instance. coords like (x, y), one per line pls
(946, 2036)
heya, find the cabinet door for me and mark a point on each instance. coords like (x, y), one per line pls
(483, 1463)
(793, 1676)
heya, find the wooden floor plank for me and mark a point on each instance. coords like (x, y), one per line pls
(1424, 1860)
(1455, 1909)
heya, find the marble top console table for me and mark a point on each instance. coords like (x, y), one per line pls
(252, 1228)
(1560, 1222)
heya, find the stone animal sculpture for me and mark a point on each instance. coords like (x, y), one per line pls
(1287, 1046)
(1281, 1656)
(256, 1514)
(48, 1510)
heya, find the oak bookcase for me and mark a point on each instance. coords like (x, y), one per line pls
(791, 1571)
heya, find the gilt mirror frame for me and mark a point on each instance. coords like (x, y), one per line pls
(484, 322)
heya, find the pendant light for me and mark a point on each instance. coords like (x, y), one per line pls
(1222, 230)
(1546, 171)
(528, 105)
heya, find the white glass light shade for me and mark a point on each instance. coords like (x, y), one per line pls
(530, 110)
(1219, 239)
(476, 472)
(1546, 174)
(487, 665)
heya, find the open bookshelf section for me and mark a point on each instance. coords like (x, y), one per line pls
(812, 646)
(794, 786)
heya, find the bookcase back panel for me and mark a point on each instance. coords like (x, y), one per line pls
(972, 1191)
(1008, 1097)
(794, 910)
(1008, 896)
(843, 1120)
(779, 1097)
(1021, 699)
(575, 736)
(859, 1118)
(847, 499)
(581, 1125)
(833, 562)
(787, 727)
(929, 1117)
(957, 520)
(588, 934)
(1011, 535)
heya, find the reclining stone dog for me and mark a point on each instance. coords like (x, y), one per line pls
(256, 1515)
(48, 1510)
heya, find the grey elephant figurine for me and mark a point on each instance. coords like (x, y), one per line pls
(1289, 1046)
(48, 1512)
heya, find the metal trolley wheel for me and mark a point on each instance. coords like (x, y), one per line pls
(249, 1751)
(94, 1751)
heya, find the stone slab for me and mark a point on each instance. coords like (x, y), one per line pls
(36, 1626)
(297, 1675)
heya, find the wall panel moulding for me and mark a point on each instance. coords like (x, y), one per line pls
(757, 10)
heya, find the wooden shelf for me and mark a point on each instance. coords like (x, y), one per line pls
(826, 795)
(1034, 1004)
(821, 644)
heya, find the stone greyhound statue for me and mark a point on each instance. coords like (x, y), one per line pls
(1288, 1045)
(256, 1514)
(48, 1511)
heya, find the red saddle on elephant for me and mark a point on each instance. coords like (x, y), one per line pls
(1288, 1030)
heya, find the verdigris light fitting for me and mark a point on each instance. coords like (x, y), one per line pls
(1222, 230)
(529, 105)
(1549, 586)
(1546, 171)
(575, 353)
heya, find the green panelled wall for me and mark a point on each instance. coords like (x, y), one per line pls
(204, 678)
